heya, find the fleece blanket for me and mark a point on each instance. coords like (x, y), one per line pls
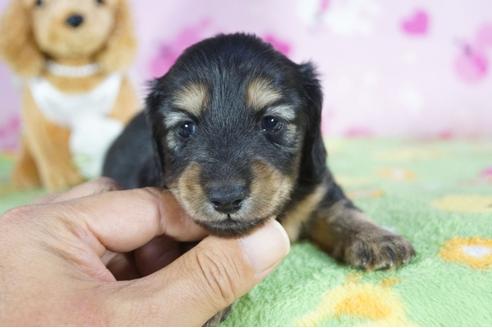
(436, 193)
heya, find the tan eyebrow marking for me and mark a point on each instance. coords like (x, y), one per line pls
(191, 98)
(174, 118)
(261, 93)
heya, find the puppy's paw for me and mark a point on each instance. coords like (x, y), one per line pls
(378, 249)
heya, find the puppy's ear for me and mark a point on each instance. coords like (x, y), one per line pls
(155, 122)
(17, 44)
(121, 46)
(313, 162)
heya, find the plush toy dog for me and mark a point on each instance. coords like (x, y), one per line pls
(75, 98)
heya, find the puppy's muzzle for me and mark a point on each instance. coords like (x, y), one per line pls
(227, 197)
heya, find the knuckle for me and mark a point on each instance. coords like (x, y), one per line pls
(220, 274)
(153, 199)
(148, 195)
(150, 192)
(17, 213)
(107, 184)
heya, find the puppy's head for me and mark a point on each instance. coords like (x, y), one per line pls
(237, 128)
(33, 30)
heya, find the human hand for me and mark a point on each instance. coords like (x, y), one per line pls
(64, 258)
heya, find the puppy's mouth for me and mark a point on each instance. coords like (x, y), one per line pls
(252, 213)
(230, 227)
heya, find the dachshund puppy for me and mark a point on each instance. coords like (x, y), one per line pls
(233, 131)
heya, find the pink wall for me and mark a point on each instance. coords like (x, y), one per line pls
(389, 67)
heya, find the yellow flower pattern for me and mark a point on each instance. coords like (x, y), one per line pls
(475, 252)
(465, 203)
(374, 304)
(397, 174)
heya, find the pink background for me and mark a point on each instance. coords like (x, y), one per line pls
(418, 68)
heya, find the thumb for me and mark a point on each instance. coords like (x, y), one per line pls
(203, 281)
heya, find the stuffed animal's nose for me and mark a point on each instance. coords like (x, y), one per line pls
(75, 20)
(227, 198)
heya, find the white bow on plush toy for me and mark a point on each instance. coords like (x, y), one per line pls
(87, 117)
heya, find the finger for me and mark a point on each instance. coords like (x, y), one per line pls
(202, 282)
(122, 221)
(46, 199)
(153, 256)
(108, 256)
(122, 266)
(90, 188)
(157, 254)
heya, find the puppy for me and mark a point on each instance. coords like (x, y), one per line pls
(233, 131)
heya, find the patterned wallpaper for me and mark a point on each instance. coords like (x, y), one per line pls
(412, 68)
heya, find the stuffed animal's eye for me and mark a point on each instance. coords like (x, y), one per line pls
(39, 3)
(100, 2)
(187, 129)
(271, 124)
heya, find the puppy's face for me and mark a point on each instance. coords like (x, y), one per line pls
(230, 121)
(71, 29)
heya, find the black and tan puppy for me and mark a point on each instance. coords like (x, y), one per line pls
(233, 130)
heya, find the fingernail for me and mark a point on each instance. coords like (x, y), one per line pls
(266, 247)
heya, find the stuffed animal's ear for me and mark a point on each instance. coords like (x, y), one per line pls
(17, 45)
(121, 46)
(313, 162)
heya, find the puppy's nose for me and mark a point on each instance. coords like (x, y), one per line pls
(226, 198)
(75, 20)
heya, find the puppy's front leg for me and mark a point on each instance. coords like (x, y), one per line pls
(346, 233)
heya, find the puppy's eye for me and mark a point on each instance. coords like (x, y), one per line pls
(187, 129)
(272, 124)
(101, 2)
(39, 3)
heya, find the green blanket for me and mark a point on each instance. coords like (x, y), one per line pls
(437, 194)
